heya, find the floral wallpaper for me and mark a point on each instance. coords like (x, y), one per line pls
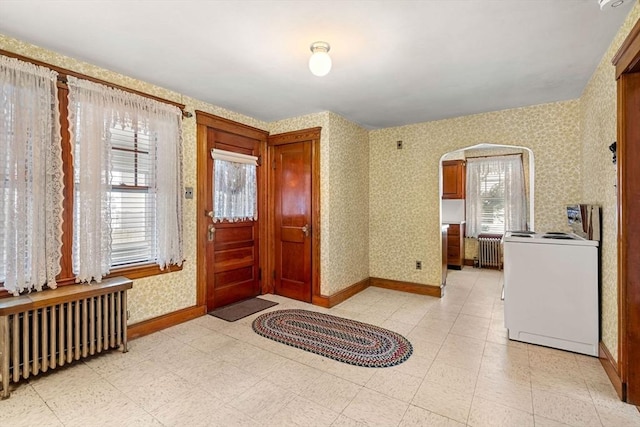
(404, 201)
(346, 235)
(598, 131)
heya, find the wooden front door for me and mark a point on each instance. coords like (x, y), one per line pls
(230, 251)
(293, 231)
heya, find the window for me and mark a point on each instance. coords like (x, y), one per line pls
(81, 195)
(492, 200)
(495, 195)
(235, 187)
(31, 177)
(133, 203)
(125, 209)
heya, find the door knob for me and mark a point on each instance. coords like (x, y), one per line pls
(306, 229)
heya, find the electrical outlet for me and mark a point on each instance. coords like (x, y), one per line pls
(399, 145)
(188, 193)
(418, 265)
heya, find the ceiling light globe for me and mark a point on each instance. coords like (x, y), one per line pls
(320, 61)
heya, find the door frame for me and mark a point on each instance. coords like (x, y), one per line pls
(312, 135)
(204, 122)
(627, 63)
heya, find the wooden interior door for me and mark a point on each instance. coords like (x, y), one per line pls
(293, 220)
(228, 252)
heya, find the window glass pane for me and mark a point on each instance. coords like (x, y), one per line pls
(133, 227)
(133, 207)
(492, 196)
(234, 191)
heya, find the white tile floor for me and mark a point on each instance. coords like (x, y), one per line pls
(207, 372)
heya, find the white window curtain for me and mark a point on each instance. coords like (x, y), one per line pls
(235, 186)
(31, 177)
(94, 111)
(495, 199)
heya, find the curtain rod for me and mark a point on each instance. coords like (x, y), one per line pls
(63, 73)
(497, 155)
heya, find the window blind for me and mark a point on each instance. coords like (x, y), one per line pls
(133, 203)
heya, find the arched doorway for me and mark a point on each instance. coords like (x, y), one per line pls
(453, 210)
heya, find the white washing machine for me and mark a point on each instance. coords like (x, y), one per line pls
(551, 290)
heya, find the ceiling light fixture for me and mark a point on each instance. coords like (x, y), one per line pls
(320, 61)
(612, 3)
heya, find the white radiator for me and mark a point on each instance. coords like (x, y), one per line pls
(490, 251)
(44, 330)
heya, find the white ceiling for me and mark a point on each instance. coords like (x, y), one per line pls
(394, 62)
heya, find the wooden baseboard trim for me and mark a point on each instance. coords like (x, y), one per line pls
(414, 288)
(468, 262)
(340, 296)
(156, 324)
(610, 367)
(320, 300)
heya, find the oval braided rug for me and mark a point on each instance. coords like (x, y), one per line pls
(340, 339)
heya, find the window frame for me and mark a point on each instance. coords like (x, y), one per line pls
(133, 187)
(66, 276)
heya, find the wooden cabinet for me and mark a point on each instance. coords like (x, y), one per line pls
(455, 246)
(453, 179)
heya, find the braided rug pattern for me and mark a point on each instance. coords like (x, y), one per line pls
(340, 339)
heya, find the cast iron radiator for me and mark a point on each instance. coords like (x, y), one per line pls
(490, 251)
(44, 330)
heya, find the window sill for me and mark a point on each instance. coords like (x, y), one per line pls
(132, 272)
(141, 271)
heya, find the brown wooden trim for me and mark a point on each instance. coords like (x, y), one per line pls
(627, 59)
(321, 300)
(413, 288)
(295, 136)
(201, 224)
(340, 296)
(226, 125)
(627, 62)
(468, 262)
(610, 367)
(313, 135)
(156, 324)
(63, 72)
(316, 231)
(628, 229)
(66, 264)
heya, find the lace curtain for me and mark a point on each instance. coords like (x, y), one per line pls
(31, 177)
(94, 109)
(495, 199)
(234, 187)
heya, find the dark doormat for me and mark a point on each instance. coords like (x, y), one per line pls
(238, 310)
